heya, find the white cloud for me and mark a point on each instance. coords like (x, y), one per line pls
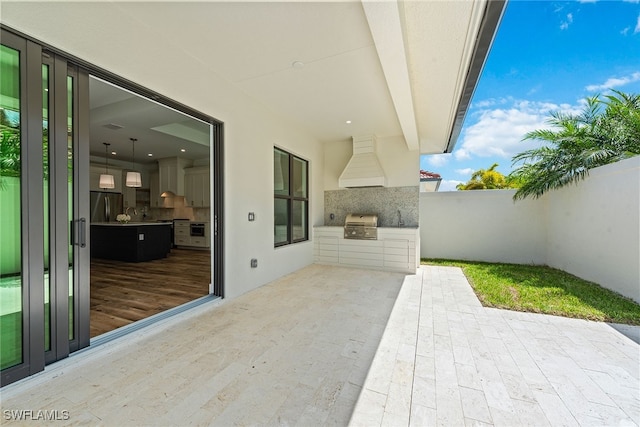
(448, 185)
(534, 89)
(465, 171)
(625, 31)
(438, 160)
(637, 29)
(614, 82)
(498, 132)
(486, 103)
(565, 24)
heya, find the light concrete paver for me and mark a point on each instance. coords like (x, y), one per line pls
(497, 367)
(337, 346)
(293, 352)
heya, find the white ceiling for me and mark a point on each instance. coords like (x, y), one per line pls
(117, 115)
(391, 68)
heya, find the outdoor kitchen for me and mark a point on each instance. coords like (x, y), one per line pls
(370, 219)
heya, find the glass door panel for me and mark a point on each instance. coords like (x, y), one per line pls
(44, 169)
(11, 278)
(70, 198)
(45, 211)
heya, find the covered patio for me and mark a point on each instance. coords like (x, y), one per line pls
(335, 346)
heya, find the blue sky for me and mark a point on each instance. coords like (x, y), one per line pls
(547, 56)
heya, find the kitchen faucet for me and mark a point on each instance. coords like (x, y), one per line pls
(400, 221)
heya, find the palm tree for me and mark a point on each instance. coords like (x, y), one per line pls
(486, 179)
(579, 142)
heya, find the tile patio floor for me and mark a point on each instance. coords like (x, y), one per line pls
(446, 360)
(336, 346)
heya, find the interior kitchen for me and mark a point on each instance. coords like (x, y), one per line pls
(150, 231)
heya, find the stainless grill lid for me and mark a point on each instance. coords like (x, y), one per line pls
(361, 220)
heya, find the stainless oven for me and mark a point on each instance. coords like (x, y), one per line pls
(198, 229)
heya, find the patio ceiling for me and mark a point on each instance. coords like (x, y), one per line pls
(405, 68)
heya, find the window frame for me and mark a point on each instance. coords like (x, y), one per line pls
(290, 199)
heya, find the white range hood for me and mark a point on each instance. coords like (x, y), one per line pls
(363, 169)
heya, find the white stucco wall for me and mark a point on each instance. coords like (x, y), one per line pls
(249, 188)
(591, 230)
(594, 228)
(482, 226)
(401, 166)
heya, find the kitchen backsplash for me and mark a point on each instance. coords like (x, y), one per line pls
(179, 210)
(383, 201)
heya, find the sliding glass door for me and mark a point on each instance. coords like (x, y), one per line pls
(44, 276)
(11, 277)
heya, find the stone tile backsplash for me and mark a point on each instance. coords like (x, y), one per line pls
(383, 201)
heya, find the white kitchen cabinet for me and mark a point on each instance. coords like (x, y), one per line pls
(396, 249)
(401, 248)
(154, 190)
(197, 187)
(182, 235)
(171, 174)
(155, 200)
(328, 250)
(361, 253)
(396, 254)
(94, 178)
(326, 243)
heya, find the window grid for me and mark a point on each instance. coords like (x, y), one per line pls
(289, 199)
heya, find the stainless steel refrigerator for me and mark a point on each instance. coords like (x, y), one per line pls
(105, 206)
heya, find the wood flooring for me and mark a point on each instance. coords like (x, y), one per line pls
(124, 292)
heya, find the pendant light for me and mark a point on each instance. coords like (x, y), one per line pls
(133, 178)
(106, 180)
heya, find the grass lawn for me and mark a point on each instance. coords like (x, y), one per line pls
(541, 289)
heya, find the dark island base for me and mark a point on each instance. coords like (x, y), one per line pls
(130, 242)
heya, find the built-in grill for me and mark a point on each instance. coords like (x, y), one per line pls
(361, 226)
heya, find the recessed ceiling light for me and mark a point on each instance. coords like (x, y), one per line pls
(348, 122)
(113, 153)
(183, 150)
(150, 155)
(297, 64)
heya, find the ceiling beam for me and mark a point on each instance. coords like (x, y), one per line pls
(386, 29)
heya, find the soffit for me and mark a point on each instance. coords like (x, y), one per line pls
(439, 55)
(252, 47)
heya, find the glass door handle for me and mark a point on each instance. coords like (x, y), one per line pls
(82, 233)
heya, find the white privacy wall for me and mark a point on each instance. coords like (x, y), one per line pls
(482, 226)
(591, 230)
(594, 228)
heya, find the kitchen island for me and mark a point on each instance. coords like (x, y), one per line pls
(131, 242)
